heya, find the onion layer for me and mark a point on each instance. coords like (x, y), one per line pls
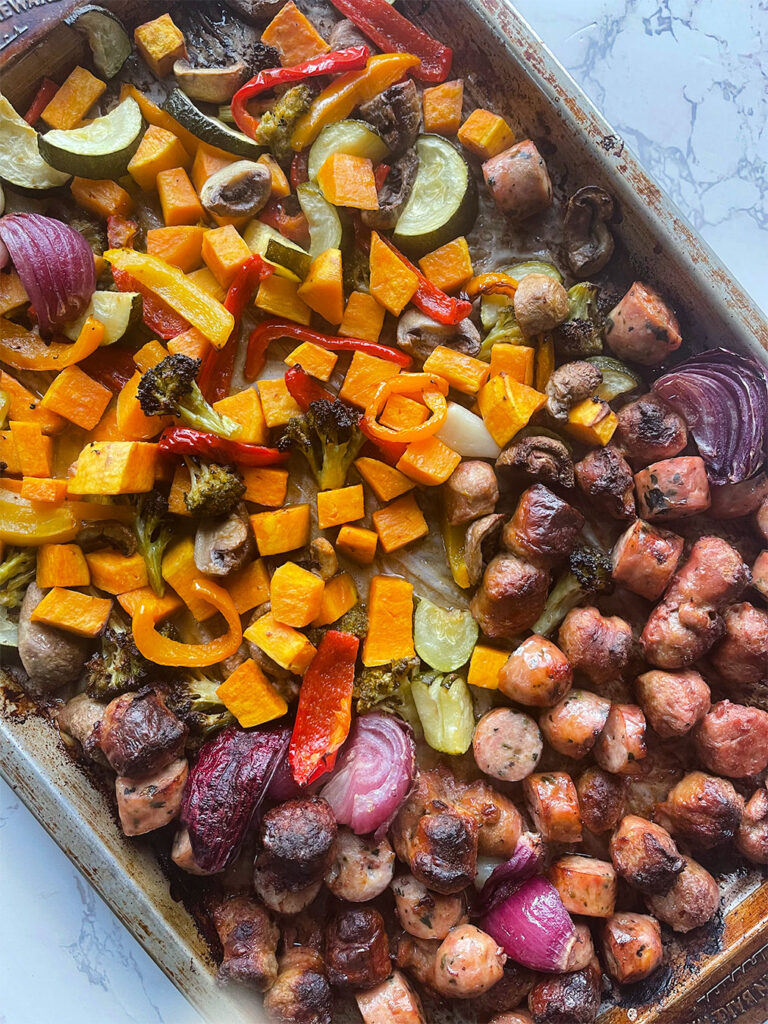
(532, 926)
(55, 265)
(509, 876)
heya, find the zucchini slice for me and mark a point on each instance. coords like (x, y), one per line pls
(210, 129)
(109, 42)
(355, 138)
(443, 201)
(21, 164)
(325, 230)
(100, 149)
(618, 378)
(118, 311)
(257, 237)
(295, 260)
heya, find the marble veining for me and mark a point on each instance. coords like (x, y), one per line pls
(686, 84)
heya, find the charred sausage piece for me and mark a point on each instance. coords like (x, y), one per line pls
(573, 726)
(701, 810)
(511, 597)
(497, 817)
(554, 806)
(540, 304)
(544, 528)
(362, 867)
(395, 114)
(672, 489)
(391, 1002)
(599, 646)
(760, 574)
(632, 947)
(586, 885)
(297, 839)
(425, 914)
(752, 840)
(605, 477)
(645, 558)
(714, 574)
(301, 994)
(468, 963)
(518, 181)
(182, 854)
(139, 735)
(582, 952)
(642, 328)
(569, 384)
(81, 718)
(471, 491)
(673, 702)
(515, 1017)
(567, 998)
(649, 430)
(621, 744)
(732, 740)
(516, 982)
(691, 902)
(152, 801)
(741, 657)
(417, 956)
(537, 673)
(507, 744)
(602, 798)
(50, 656)
(249, 939)
(357, 949)
(645, 855)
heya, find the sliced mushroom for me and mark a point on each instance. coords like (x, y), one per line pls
(255, 11)
(395, 114)
(51, 657)
(570, 384)
(541, 303)
(395, 193)
(223, 546)
(345, 34)
(240, 190)
(108, 533)
(324, 557)
(210, 85)
(545, 458)
(588, 238)
(420, 335)
(483, 533)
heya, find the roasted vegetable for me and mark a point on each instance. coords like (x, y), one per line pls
(276, 125)
(386, 687)
(444, 705)
(579, 335)
(355, 621)
(154, 531)
(193, 699)
(170, 389)
(329, 438)
(589, 572)
(118, 667)
(506, 329)
(17, 571)
(215, 489)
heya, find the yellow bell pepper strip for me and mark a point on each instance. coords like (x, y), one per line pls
(163, 651)
(170, 284)
(491, 284)
(349, 91)
(26, 350)
(432, 391)
(29, 523)
(454, 541)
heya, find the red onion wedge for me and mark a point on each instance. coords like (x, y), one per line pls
(373, 775)
(510, 875)
(55, 265)
(532, 926)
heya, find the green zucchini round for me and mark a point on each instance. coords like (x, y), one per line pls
(325, 229)
(210, 129)
(354, 138)
(21, 164)
(101, 149)
(109, 42)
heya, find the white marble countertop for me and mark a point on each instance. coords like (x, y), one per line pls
(686, 84)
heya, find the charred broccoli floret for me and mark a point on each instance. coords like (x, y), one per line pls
(118, 667)
(193, 699)
(214, 489)
(506, 329)
(589, 572)
(355, 621)
(329, 438)
(153, 534)
(383, 686)
(17, 571)
(276, 125)
(579, 335)
(170, 389)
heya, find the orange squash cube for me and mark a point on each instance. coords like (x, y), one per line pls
(182, 246)
(265, 485)
(402, 413)
(116, 573)
(295, 595)
(224, 253)
(162, 607)
(506, 406)
(485, 665)
(248, 587)
(390, 621)
(592, 422)
(357, 544)
(347, 180)
(399, 523)
(73, 612)
(363, 317)
(515, 360)
(339, 596)
(48, 489)
(485, 134)
(280, 184)
(250, 697)
(385, 481)
(428, 462)
(178, 199)
(279, 297)
(244, 407)
(448, 267)
(340, 505)
(392, 283)
(323, 287)
(207, 161)
(34, 449)
(442, 107)
(62, 565)
(363, 377)
(77, 397)
(115, 467)
(104, 198)
(74, 99)
(316, 361)
(463, 372)
(159, 150)
(26, 406)
(293, 36)
(282, 530)
(160, 43)
(282, 643)
(278, 403)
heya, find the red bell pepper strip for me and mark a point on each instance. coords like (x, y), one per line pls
(186, 441)
(112, 367)
(300, 169)
(289, 222)
(157, 315)
(304, 390)
(271, 330)
(121, 232)
(393, 33)
(430, 299)
(43, 96)
(376, 448)
(380, 175)
(324, 714)
(353, 59)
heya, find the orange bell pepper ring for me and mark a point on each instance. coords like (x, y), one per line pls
(26, 350)
(430, 388)
(163, 651)
(491, 284)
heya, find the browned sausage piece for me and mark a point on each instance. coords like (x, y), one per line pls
(182, 854)
(362, 867)
(573, 725)
(605, 476)
(621, 744)
(391, 1002)
(582, 951)
(518, 181)
(139, 735)
(469, 492)
(673, 702)
(301, 994)
(511, 597)
(752, 840)
(425, 914)
(760, 574)
(645, 558)
(732, 740)
(152, 801)
(672, 489)
(602, 798)
(554, 806)
(741, 657)
(645, 855)
(357, 949)
(632, 947)
(649, 430)
(702, 810)
(514, 1017)
(468, 963)
(642, 328)
(537, 673)
(499, 820)
(249, 938)
(691, 902)
(715, 574)
(515, 984)
(544, 528)
(598, 645)
(586, 885)
(567, 998)
(507, 744)
(297, 840)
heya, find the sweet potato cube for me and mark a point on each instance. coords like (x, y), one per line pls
(448, 267)
(104, 197)
(442, 107)
(295, 595)
(429, 461)
(506, 406)
(9, 457)
(283, 644)
(181, 246)
(515, 360)
(363, 317)
(340, 505)
(178, 199)
(545, 362)
(484, 666)
(392, 283)
(13, 294)
(250, 697)
(42, 488)
(74, 99)
(402, 413)
(323, 287)
(207, 162)
(592, 422)
(293, 36)
(363, 377)
(399, 523)
(278, 403)
(160, 43)
(279, 297)
(161, 607)
(25, 406)
(347, 180)
(339, 596)
(265, 485)
(244, 407)
(34, 449)
(115, 572)
(115, 467)
(77, 397)
(132, 422)
(61, 565)
(385, 481)
(357, 543)
(224, 253)
(283, 530)
(463, 372)
(249, 587)
(73, 612)
(316, 361)
(485, 134)
(149, 356)
(180, 572)
(280, 185)
(390, 621)
(159, 150)
(180, 484)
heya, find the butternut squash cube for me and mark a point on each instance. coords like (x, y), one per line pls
(390, 621)
(400, 523)
(506, 406)
(295, 595)
(149, 356)
(181, 246)
(27, 407)
(592, 422)
(248, 587)
(250, 697)
(132, 421)
(442, 107)
(448, 267)
(265, 485)
(323, 287)
(73, 612)
(115, 467)
(159, 150)
(74, 99)
(9, 457)
(283, 530)
(180, 572)
(162, 607)
(363, 377)
(279, 297)
(283, 644)
(244, 407)
(463, 372)
(515, 360)
(428, 462)
(341, 505)
(280, 184)
(224, 252)
(160, 43)
(180, 484)
(115, 572)
(402, 413)
(104, 198)
(392, 283)
(385, 481)
(13, 294)
(485, 134)
(277, 402)
(178, 199)
(339, 596)
(61, 565)
(347, 180)
(363, 317)
(293, 36)
(47, 489)
(357, 544)
(316, 361)
(545, 362)
(34, 449)
(77, 397)
(207, 161)
(484, 666)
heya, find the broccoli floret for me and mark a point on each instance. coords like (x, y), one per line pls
(506, 329)
(193, 699)
(579, 335)
(355, 621)
(214, 490)
(589, 572)
(118, 668)
(170, 389)
(276, 125)
(329, 438)
(17, 571)
(383, 686)
(154, 532)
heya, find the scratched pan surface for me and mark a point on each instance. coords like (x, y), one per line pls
(719, 975)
